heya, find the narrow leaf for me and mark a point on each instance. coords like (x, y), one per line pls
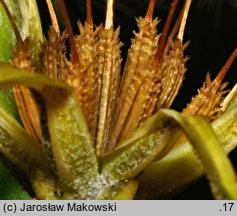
(16, 145)
(164, 178)
(142, 147)
(72, 145)
(129, 160)
(219, 170)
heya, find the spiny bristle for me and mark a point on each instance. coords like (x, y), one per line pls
(220, 77)
(164, 35)
(174, 30)
(150, 10)
(226, 67)
(63, 9)
(89, 18)
(209, 100)
(184, 19)
(109, 14)
(53, 16)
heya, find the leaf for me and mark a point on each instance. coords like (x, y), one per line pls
(8, 102)
(10, 75)
(220, 172)
(16, 145)
(143, 146)
(72, 145)
(180, 167)
(129, 160)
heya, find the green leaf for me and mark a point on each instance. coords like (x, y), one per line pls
(10, 75)
(16, 145)
(72, 145)
(139, 150)
(180, 167)
(7, 100)
(217, 166)
(152, 140)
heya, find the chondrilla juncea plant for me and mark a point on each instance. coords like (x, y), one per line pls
(79, 125)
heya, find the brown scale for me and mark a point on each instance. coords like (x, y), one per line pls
(27, 107)
(26, 104)
(87, 45)
(137, 110)
(145, 100)
(137, 69)
(80, 71)
(55, 64)
(155, 90)
(168, 80)
(170, 63)
(173, 70)
(210, 97)
(115, 79)
(107, 81)
(206, 100)
(169, 66)
(143, 93)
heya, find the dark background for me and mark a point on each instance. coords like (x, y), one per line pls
(211, 28)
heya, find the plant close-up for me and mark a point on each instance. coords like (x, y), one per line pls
(84, 116)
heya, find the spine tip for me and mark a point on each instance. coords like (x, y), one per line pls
(150, 10)
(109, 14)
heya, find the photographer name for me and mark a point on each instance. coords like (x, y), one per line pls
(72, 207)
